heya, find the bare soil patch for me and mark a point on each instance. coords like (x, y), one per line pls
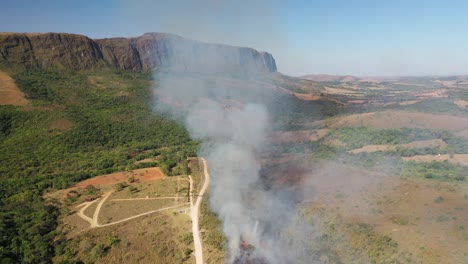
(10, 94)
(113, 211)
(307, 97)
(431, 143)
(410, 102)
(331, 90)
(299, 136)
(398, 119)
(313, 97)
(433, 94)
(461, 103)
(148, 160)
(142, 175)
(456, 159)
(61, 124)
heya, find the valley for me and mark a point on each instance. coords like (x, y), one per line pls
(95, 169)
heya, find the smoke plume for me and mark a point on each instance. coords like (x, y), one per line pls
(234, 127)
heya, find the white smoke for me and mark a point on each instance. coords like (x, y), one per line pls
(232, 138)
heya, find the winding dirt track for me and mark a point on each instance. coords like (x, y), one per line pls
(194, 213)
(94, 221)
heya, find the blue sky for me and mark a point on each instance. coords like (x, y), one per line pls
(359, 37)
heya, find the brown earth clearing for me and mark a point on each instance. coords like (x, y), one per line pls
(299, 136)
(431, 143)
(142, 175)
(397, 119)
(461, 103)
(10, 94)
(307, 97)
(140, 216)
(61, 124)
(455, 158)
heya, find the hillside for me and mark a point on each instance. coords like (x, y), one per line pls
(370, 172)
(152, 50)
(75, 108)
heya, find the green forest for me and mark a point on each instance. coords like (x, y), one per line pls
(79, 125)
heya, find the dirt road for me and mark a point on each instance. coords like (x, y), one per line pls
(194, 213)
(94, 221)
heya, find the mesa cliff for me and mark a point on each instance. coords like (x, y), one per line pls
(146, 52)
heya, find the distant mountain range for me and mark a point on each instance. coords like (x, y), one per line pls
(379, 79)
(149, 51)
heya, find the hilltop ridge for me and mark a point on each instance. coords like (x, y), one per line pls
(146, 52)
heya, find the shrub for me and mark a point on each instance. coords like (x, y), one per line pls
(120, 186)
(131, 179)
(439, 199)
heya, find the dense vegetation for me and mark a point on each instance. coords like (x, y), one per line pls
(80, 124)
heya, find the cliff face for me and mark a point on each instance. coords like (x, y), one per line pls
(150, 51)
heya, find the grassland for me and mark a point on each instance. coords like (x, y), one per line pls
(142, 220)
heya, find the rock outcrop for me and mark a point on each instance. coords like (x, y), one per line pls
(150, 51)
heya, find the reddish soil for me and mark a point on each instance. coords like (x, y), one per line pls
(142, 175)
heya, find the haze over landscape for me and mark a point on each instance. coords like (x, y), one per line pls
(363, 38)
(237, 132)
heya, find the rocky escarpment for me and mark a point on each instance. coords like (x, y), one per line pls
(150, 51)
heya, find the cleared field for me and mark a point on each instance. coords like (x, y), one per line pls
(410, 102)
(398, 119)
(10, 94)
(139, 219)
(432, 143)
(61, 124)
(299, 136)
(154, 238)
(142, 175)
(455, 159)
(307, 97)
(461, 103)
(114, 211)
(331, 90)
